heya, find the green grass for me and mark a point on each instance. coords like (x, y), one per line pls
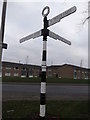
(37, 80)
(61, 109)
(65, 80)
(19, 79)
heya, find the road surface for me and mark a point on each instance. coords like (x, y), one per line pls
(25, 91)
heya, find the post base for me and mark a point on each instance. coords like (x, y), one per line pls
(42, 118)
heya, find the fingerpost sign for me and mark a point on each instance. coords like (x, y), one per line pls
(46, 32)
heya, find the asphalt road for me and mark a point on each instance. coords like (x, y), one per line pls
(59, 92)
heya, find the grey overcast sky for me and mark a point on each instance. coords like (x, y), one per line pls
(25, 17)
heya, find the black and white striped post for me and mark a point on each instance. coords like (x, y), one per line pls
(43, 72)
(46, 32)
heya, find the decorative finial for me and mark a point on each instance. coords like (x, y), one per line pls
(47, 10)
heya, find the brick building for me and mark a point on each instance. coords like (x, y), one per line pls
(21, 70)
(60, 71)
(68, 71)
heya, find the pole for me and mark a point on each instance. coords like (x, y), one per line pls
(43, 73)
(3, 19)
(1, 46)
(2, 26)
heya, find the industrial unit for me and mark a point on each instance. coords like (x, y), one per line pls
(59, 71)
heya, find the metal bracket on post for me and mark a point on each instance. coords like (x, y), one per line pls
(4, 45)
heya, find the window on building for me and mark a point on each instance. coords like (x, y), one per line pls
(23, 73)
(49, 73)
(8, 71)
(78, 76)
(15, 68)
(16, 74)
(31, 72)
(7, 74)
(75, 74)
(86, 75)
(8, 68)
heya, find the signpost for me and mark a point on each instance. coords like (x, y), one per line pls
(45, 32)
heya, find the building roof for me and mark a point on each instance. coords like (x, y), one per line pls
(12, 64)
(74, 66)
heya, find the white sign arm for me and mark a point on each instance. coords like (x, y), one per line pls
(34, 35)
(57, 37)
(60, 16)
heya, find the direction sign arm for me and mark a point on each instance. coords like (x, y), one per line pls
(60, 16)
(57, 37)
(34, 35)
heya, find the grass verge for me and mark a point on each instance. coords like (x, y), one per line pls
(55, 109)
(49, 80)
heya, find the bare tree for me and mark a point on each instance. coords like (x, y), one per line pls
(88, 13)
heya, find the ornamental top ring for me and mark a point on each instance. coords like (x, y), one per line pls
(48, 10)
